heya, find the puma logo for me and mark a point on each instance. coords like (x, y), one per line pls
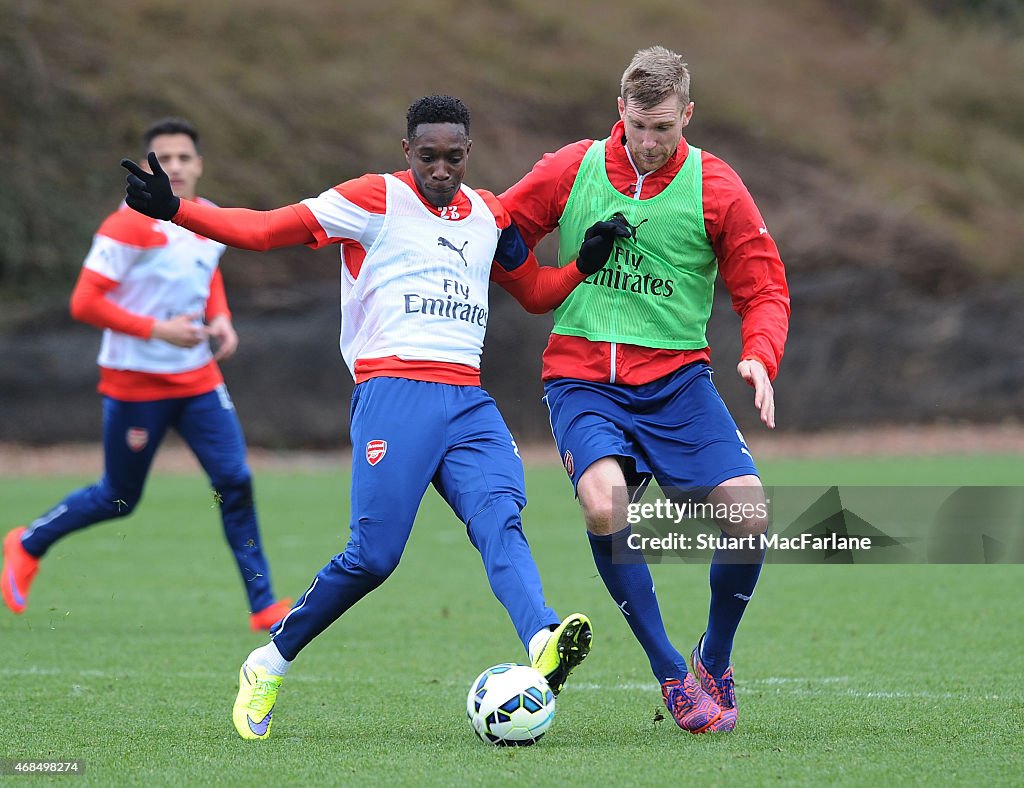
(442, 241)
(631, 228)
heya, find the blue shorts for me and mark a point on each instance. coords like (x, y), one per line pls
(676, 429)
(408, 435)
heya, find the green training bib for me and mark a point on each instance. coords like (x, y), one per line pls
(656, 289)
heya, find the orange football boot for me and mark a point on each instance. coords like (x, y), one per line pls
(18, 571)
(266, 618)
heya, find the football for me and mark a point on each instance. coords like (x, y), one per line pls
(510, 705)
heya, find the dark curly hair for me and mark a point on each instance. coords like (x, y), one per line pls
(170, 126)
(436, 109)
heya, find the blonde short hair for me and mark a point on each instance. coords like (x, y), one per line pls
(653, 75)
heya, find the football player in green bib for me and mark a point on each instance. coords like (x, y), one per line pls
(627, 371)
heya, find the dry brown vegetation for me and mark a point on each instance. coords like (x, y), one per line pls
(915, 108)
(880, 138)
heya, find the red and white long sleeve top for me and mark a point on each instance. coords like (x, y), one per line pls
(140, 270)
(748, 260)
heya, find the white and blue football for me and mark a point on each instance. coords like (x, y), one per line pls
(510, 705)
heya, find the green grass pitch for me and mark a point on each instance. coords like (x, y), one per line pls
(128, 654)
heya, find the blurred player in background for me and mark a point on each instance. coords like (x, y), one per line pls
(626, 370)
(149, 285)
(418, 249)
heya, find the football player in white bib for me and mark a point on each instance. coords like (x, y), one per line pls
(149, 285)
(418, 249)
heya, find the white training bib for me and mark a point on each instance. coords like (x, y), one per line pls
(421, 293)
(161, 282)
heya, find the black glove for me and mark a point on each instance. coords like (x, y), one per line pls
(598, 241)
(150, 193)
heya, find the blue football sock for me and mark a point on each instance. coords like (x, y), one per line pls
(733, 576)
(628, 579)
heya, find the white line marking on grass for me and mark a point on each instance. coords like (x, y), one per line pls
(817, 686)
(746, 683)
(798, 680)
(787, 686)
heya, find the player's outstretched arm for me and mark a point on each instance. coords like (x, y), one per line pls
(150, 194)
(540, 289)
